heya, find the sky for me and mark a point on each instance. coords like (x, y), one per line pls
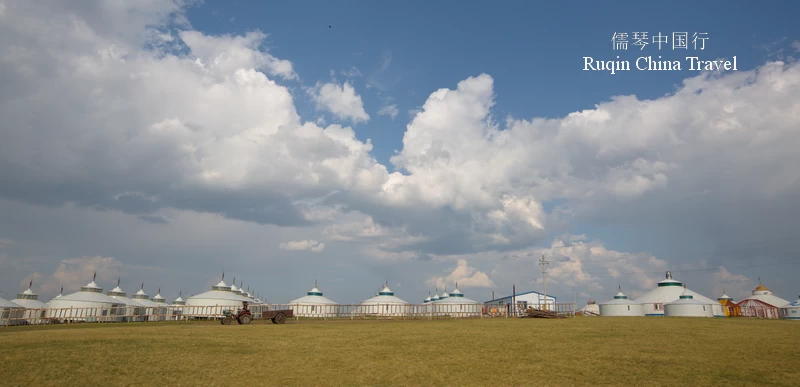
(420, 144)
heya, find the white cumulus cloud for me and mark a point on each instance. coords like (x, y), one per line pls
(308, 244)
(340, 100)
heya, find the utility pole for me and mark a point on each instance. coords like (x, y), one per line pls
(543, 263)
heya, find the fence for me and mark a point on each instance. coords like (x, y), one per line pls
(123, 313)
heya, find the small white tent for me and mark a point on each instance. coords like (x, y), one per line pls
(314, 304)
(687, 306)
(791, 311)
(89, 305)
(11, 313)
(34, 309)
(621, 306)
(384, 304)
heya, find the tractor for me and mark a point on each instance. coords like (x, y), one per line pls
(241, 316)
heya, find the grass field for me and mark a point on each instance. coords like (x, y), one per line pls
(580, 351)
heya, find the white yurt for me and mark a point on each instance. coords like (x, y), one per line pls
(88, 305)
(791, 311)
(133, 310)
(621, 306)
(456, 305)
(384, 304)
(590, 309)
(669, 290)
(176, 308)
(34, 309)
(150, 309)
(687, 306)
(214, 301)
(314, 304)
(11, 313)
(162, 309)
(60, 294)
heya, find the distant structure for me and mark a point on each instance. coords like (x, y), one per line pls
(621, 306)
(454, 305)
(729, 306)
(687, 306)
(524, 300)
(314, 304)
(34, 309)
(669, 290)
(590, 309)
(385, 303)
(791, 311)
(132, 309)
(762, 303)
(213, 302)
(89, 305)
(11, 313)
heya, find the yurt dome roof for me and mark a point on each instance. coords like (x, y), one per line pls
(158, 298)
(456, 292)
(314, 297)
(385, 296)
(28, 294)
(620, 299)
(763, 294)
(668, 290)
(90, 293)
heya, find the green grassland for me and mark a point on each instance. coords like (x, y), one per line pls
(486, 352)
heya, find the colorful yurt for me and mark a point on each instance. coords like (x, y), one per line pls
(314, 304)
(213, 302)
(133, 311)
(11, 313)
(34, 309)
(729, 306)
(791, 311)
(385, 303)
(89, 305)
(669, 290)
(687, 306)
(621, 306)
(762, 303)
(456, 305)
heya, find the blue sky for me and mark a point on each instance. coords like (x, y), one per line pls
(170, 166)
(533, 50)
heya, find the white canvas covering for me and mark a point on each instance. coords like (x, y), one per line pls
(133, 310)
(669, 290)
(384, 304)
(89, 304)
(791, 311)
(214, 301)
(455, 305)
(621, 306)
(687, 306)
(34, 309)
(11, 313)
(314, 304)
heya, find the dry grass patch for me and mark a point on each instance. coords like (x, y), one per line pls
(606, 351)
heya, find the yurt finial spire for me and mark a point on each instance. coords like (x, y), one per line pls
(759, 280)
(94, 277)
(118, 279)
(223, 276)
(142, 288)
(234, 280)
(241, 283)
(30, 284)
(159, 291)
(669, 275)
(619, 287)
(62, 290)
